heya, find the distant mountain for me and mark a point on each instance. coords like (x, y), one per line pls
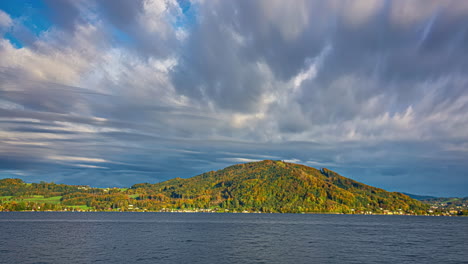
(420, 197)
(265, 186)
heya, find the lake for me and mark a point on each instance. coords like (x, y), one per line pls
(66, 237)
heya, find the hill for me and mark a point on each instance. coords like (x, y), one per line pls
(276, 186)
(265, 186)
(419, 197)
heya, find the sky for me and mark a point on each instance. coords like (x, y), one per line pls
(115, 92)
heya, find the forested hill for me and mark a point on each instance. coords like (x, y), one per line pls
(276, 186)
(265, 186)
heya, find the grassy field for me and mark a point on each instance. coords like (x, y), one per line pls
(33, 198)
(42, 199)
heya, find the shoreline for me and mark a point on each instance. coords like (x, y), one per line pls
(199, 212)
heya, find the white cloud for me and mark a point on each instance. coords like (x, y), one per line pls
(5, 20)
(157, 15)
(50, 61)
(25, 143)
(313, 68)
(243, 160)
(89, 166)
(78, 159)
(84, 128)
(292, 160)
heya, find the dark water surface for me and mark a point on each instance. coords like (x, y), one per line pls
(230, 238)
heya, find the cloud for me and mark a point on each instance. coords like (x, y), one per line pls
(149, 90)
(5, 20)
(69, 158)
(240, 160)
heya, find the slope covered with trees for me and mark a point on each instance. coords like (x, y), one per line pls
(266, 186)
(276, 186)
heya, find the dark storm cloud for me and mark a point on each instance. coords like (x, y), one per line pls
(120, 92)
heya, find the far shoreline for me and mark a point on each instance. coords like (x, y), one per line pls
(232, 213)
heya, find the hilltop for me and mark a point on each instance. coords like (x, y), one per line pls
(265, 186)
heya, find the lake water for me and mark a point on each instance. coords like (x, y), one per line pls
(230, 238)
